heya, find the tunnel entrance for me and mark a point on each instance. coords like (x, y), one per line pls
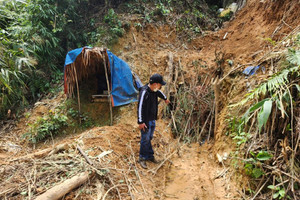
(192, 103)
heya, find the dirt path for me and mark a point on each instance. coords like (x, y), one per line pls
(192, 176)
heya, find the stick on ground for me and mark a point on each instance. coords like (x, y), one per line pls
(84, 155)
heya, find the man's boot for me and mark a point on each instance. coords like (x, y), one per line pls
(154, 160)
(143, 163)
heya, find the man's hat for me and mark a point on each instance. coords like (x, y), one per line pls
(157, 78)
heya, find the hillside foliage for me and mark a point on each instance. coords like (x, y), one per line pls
(35, 35)
(267, 134)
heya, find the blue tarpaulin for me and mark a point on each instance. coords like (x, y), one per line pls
(123, 91)
(122, 88)
(251, 70)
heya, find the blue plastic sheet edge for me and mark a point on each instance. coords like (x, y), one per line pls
(72, 55)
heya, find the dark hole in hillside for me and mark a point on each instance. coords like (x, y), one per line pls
(94, 111)
(192, 113)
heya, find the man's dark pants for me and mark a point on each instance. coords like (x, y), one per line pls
(146, 151)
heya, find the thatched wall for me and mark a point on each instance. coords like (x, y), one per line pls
(88, 63)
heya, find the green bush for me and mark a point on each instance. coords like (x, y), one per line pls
(57, 121)
(111, 30)
(47, 126)
(86, 121)
(253, 165)
(162, 9)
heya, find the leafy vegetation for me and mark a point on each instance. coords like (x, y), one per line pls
(34, 37)
(47, 126)
(279, 192)
(56, 122)
(252, 166)
(108, 34)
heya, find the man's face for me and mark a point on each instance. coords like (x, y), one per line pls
(158, 86)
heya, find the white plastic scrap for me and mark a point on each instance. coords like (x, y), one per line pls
(104, 153)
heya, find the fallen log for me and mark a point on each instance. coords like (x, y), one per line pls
(43, 153)
(65, 187)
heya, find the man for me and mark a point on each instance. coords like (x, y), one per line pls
(147, 114)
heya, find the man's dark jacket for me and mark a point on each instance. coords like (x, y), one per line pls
(148, 104)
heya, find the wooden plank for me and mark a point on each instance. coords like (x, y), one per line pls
(100, 95)
(99, 100)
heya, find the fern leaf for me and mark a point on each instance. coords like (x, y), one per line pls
(271, 86)
(264, 114)
(294, 57)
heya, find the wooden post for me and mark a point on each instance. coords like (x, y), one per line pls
(78, 95)
(217, 96)
(169, 79)
(108, 88)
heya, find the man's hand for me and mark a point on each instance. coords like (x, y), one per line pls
(167, 101)
(142, 126)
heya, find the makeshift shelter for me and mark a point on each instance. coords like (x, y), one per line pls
(84, 62)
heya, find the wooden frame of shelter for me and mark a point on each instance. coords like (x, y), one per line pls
(90, 61)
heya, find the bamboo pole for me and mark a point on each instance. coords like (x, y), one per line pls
(108, 88)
